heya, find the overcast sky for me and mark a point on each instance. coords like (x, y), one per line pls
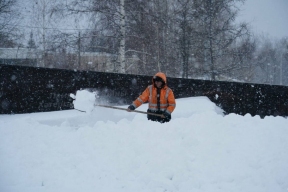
(267, 16)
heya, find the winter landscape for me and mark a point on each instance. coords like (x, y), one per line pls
(95, 149)
(107, 150)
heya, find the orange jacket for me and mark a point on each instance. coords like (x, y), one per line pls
(167, 100)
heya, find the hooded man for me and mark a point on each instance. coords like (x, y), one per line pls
(160, 97)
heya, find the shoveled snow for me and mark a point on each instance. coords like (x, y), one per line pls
(84, 100)
(108, 150)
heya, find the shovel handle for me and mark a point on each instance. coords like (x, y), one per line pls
(136, 111)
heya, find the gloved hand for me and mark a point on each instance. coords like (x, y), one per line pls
(131, 108)
(166, 115)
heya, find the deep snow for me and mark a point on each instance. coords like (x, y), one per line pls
(113, 150)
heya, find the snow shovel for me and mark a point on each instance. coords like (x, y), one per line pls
(136, 111)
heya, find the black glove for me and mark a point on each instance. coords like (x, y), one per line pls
(131, 107)
(167, 115)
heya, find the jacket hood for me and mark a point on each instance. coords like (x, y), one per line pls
(162, 76)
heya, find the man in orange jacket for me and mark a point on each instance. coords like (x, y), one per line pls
(160, 97)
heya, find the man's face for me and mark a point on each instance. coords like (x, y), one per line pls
(158, 84)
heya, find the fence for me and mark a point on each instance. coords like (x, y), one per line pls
(29, 89)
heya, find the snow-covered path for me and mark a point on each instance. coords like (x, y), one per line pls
(113, 150)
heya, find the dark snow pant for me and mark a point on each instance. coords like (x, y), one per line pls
(157, 118)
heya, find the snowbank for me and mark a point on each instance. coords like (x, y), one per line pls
(113, 150)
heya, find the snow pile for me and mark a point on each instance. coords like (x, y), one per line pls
(84, 100)
(113, 150)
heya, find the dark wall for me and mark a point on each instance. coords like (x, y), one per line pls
(28, 89)
(239, 98)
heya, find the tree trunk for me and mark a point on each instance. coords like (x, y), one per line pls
(122, 36)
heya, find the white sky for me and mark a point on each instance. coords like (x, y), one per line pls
(109, 150)
(268, 17)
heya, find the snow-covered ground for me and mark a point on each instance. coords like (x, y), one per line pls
(109, 150)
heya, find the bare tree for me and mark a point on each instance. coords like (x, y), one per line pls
(266, 61)
(282, 50)
(284, 63)
(150, 35)
(241, 59)
(8, 28)
(193, 38)
(216, 32)
(183, 18)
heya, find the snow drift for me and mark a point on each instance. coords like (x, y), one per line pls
(112, 150)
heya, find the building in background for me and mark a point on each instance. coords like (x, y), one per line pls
(20, 56)
(87, 61)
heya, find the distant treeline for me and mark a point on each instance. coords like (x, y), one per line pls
(196, 39)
